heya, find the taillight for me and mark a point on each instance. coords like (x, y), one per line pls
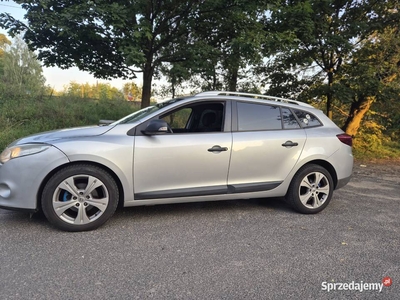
(345, 139)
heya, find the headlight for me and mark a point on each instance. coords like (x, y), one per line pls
(21, 150)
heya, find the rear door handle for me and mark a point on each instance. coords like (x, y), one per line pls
(217, 148)
(290, 144)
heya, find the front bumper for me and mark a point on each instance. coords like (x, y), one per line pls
(21, 178)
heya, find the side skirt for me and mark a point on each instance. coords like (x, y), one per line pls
(209, 191)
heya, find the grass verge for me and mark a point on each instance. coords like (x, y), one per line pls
(23, 116)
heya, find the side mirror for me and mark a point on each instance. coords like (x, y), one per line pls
(156, 127)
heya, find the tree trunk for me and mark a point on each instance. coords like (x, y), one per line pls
(232, 78)
(214, 84)
(329, 96)
(357, 112)
(148, 68)
(173, 90)
(147, 80)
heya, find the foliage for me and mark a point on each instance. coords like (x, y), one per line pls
(312, 39)
(20, 72)
(172, 37)
(108, 39)
(99, 91)
(117, 39)
(131, 91)
(373, 75)
(235, 38)
(372, 143)
(4, 42)
(228, 41)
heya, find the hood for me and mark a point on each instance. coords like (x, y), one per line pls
(49, 136)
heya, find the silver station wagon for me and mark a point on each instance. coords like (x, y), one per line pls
(207, 147)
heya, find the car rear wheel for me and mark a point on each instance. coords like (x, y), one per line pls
(310, 190)
(80, 198)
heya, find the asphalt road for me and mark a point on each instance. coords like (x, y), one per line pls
(248, 249)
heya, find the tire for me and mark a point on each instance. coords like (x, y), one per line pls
(311, 189)
(79, 198)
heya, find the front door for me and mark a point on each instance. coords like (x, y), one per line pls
(191, 161)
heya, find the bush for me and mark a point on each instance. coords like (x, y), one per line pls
(372, 143)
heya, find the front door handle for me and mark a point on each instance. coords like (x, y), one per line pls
(217, 148)
(290, 144)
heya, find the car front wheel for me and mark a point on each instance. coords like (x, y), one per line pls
(79, 198)
(310, 190)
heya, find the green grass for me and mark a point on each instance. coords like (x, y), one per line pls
(21, 117)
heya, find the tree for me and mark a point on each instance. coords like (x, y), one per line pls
(4, 42)
(106, 38)
(372, 75)
(227, 43)
(22, 72)
(241, 39)
(131, 91)
(318, 37)
(101, 91)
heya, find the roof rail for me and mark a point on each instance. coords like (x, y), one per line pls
(256, 96)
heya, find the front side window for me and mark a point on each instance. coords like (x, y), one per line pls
(253, 117)
(179, 119)
(137, 115)
(204, 117)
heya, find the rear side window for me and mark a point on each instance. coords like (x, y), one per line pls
(306, 119)
(258, 117)
(288, 119)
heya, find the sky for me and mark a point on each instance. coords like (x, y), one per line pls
(56, 77)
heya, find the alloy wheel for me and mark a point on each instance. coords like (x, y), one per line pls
(80, 199)
(314, 190)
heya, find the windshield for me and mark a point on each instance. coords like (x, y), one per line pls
(137, 115)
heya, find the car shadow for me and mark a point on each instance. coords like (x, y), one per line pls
(17, 219)
(270, 204)
(12, 218)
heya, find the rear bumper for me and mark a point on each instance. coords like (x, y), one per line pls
(342, 182)
(342, 161)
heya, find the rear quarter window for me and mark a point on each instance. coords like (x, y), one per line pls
(307, 119)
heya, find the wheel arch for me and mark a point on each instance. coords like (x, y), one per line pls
(105, 168)
(327, 166)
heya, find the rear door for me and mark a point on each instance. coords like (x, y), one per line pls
(267, 142)
(191, 161)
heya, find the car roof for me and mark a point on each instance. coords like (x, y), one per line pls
(252, 97)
